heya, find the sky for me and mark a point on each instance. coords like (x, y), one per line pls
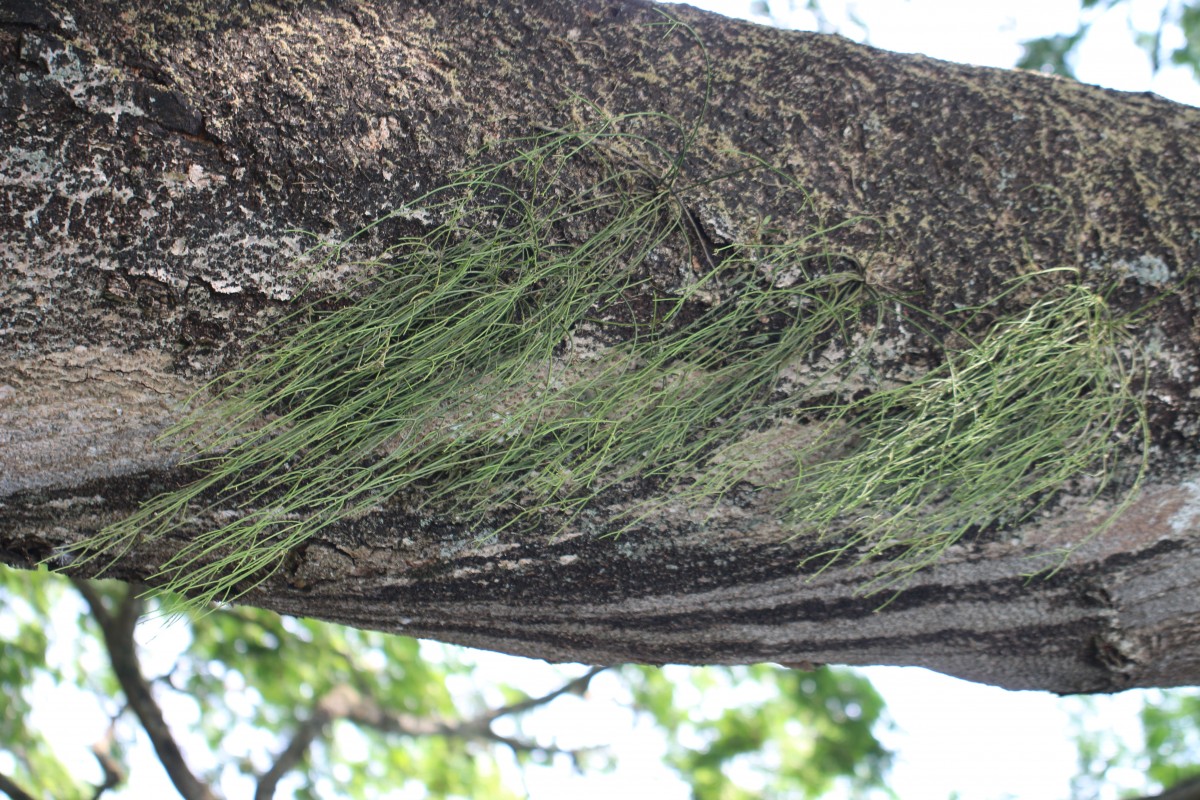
(953, 738)
(988, 33)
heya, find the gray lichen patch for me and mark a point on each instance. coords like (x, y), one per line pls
(94, 87)
(107, 178)
(1148, 269)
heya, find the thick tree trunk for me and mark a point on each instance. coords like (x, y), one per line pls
(161, 157)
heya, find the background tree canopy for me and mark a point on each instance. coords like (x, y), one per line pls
(242, 702)
(300, 708)
(1175, 39)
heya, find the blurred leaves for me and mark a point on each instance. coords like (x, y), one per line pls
(1053, 53)
(241, 681)
(1173, 37)
(1169, 753)
(26, 601)
(762, 731)
(271, 667)
(1171, 725)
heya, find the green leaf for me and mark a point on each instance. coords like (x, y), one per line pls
(1051, 53)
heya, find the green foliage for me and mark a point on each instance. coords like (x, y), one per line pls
(796, 734)
(244, 680)
(1171, 725)
(248, 667)
(27, 600)
(1169, 753)
(250, 675)
(1053, 53)
(1188, 54)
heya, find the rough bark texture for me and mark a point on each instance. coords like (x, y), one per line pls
(159, 159)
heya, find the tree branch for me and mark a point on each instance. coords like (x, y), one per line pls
(344, 702)
(12, 790)
(114, 773)
(577, 686)
(294, 753)
(117, 627)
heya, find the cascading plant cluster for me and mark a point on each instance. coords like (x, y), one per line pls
(450, 374)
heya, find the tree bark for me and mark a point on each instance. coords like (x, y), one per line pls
(161, 158)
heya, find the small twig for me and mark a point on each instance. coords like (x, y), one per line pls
(117, 627)
(1184, 790)
(305, 734)
(576, 686)
(344, 702)
(114, 773)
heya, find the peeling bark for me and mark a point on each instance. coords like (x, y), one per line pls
(161, 158)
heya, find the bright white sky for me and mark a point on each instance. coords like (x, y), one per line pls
(952, 736)
(989, 32)
(952, 739)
